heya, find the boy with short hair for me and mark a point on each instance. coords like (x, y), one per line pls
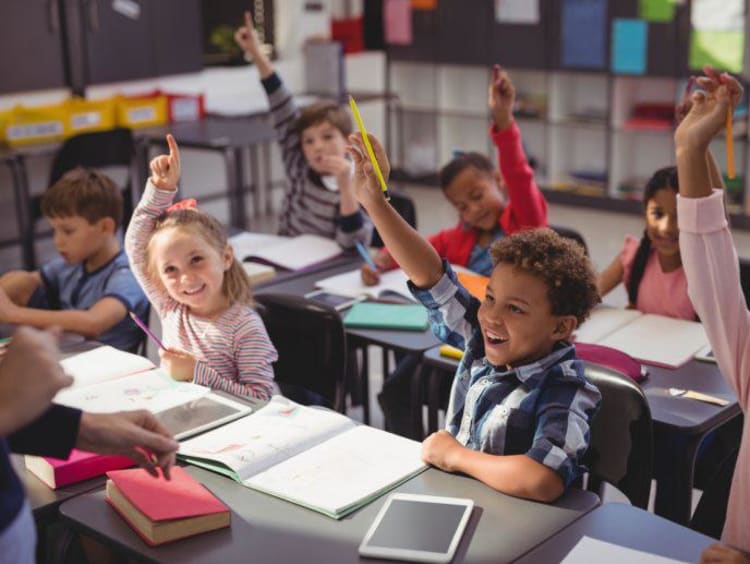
(90, 288)
(319, 198)
(520, 406)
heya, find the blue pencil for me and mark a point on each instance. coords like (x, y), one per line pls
(366, 256)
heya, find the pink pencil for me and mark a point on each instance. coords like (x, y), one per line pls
(146, 330)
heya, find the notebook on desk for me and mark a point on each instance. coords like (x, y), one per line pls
(403, 317)
(392, 283)
(291, 253)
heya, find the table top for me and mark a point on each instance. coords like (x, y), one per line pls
(214, 132)
(627, 526)
(273, 530)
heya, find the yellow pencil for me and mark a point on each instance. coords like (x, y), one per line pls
(451, 352)
(368, 146)
(730, 145)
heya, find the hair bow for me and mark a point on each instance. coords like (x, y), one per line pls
(187, 204)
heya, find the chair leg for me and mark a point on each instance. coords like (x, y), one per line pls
(417, 400)
(433, 399)
(365, 380)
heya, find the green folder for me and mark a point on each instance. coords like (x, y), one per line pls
(372, 315)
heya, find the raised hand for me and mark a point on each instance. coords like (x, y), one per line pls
(165, 169)
(367, 189)
(501, 97)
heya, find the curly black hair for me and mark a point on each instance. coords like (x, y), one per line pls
(560, 262)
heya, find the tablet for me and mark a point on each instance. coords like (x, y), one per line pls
(706, 354)
(419, 528)
(205, 413)
(336, 301)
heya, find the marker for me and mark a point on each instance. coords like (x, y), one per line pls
(730, 145)
(370, 152)
(366, 256)
(146, 330)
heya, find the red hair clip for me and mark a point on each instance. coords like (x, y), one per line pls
(187, 204)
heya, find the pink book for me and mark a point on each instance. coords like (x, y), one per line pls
(79, 466)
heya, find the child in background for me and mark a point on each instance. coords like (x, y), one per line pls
(319, 197)
(181, 258)
(471, 183)
(711, 266)
(520, 406)
(89, 289)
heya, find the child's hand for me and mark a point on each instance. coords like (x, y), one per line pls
(246, 37)
(370, 277)
(6, 307)
(720, 553)
(501, 97)
(165, 169)
(338, 166)
(367, 188)
(442, 450)
(709, 110)
(178, 364)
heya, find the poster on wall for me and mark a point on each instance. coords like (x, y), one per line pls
(517, 11)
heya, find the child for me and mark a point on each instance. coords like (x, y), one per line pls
(319, 198)
(711, 266)
(520, 406)
(89, 289)
(202, 295)
(471, 183)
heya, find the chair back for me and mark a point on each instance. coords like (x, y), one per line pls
(621, 445)
(570, 233)
(404, 205)
(745, 278)
(311, 343)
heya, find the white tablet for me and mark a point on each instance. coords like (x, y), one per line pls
(419, 528)
(201, 415)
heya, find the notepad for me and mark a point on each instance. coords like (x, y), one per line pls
(315, 458)
(653, 339)
(404, 317)
(291, 253)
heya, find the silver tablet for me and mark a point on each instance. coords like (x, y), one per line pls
(201, 415)
(419, 528)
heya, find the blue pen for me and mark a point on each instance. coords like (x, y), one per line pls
(366, 256)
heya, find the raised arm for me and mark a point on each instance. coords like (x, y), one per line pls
(610, 277)
(408, 248)
(248, 41)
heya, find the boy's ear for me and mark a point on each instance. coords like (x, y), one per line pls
(564, 328)
(498, 178)
(107, 225)
(228, 256)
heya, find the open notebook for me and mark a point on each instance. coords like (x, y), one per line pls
(292, 253)
(653, 339)
(350, 284)
(315, 458)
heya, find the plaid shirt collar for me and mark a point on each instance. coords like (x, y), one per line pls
(533, 373)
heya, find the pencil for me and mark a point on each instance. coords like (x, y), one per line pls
(146, 330)
(730, 145)
(368, 146)
(365, 255)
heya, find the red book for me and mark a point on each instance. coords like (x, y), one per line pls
(162, 510)
(79, 466)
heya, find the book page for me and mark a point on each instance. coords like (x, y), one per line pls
(299, 252)
(273, 433)
(343, 472)
(102, 364)
(594, 550)
(602, 322)
(246, 244)
(350, 284)
(153, 390)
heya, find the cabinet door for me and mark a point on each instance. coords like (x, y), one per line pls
(178, 36)
(118, 40)
(463, 31)
(31, 49)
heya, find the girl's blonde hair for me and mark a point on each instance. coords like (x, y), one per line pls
(236, 284)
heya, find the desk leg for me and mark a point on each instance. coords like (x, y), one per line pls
(233, 164)
(674, 464)
(255, 179)
(268, 183)
(22, 197)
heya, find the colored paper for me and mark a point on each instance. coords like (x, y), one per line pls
(424, 4)
(720, 49)
(583, 32)
(629, 45)
(718, 15)
(517, 11)
(397, 22)
(475, 284)
(656, 10)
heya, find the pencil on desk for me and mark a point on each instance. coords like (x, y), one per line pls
(730, 144)
(368, 147)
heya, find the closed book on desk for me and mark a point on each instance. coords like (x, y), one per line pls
(162, 510)
(79, 466)
(404, 317)
(315, 458)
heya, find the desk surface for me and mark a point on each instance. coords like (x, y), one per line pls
(214, 132)
(626, 526)
(267, 529)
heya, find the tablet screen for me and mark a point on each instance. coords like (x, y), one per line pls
(202, 414)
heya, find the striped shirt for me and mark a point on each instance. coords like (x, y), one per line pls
(234, 352)
(308, 206)
(540, 409)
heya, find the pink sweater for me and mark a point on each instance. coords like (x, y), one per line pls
(711, 265)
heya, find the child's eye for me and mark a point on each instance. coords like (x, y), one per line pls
(489, 299)
(169, 270)
(196, 259)
(514, 309)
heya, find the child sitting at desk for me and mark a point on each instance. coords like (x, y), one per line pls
(520, 406)
(90, 288)
(319, 197)
(714, 286)
(181, 258)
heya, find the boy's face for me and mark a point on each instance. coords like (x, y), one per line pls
(517, 324)
(477, 197)
(76, 239)
(321, 141)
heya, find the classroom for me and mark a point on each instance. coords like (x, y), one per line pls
(352, 280)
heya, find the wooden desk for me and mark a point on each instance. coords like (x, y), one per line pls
(680, 424)
(267, 529)
(626, 526)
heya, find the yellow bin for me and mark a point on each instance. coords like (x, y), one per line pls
(39, 124)
(86, 116)
(141, 111)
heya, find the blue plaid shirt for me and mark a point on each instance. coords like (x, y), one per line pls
(540, 409)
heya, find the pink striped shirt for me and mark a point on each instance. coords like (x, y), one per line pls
(234, 352)
(712, 269)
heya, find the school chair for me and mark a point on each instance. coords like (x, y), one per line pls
(405, 207)
(100, 149)
(745, 278)
(311, 343)
(621, 446)
(570, 233)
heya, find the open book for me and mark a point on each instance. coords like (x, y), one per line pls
(107, 380)
(653, 339)
(292, 253)
(350, 284)
(316, 458)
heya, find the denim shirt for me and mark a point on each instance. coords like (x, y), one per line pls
(541, 409)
